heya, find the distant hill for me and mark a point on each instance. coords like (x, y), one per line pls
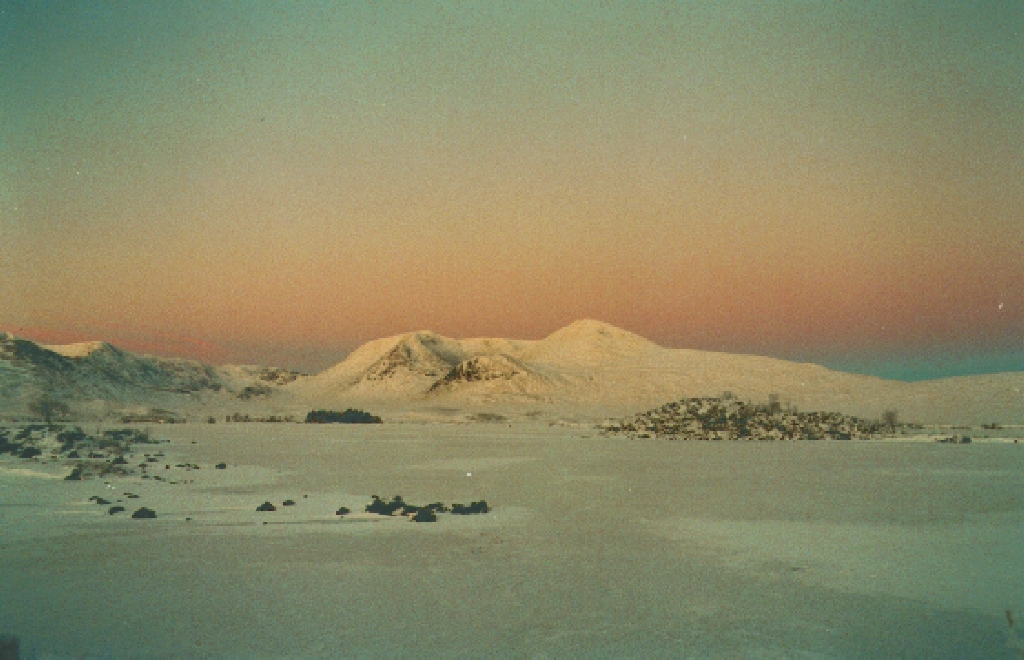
(95, 372)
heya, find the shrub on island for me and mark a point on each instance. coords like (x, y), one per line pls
(350, 416)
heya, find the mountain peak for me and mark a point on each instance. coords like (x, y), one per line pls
(589, 330)
(589, 341)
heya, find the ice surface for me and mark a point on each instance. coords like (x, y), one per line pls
(596, 546)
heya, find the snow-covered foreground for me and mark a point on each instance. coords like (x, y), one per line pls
(596, 546)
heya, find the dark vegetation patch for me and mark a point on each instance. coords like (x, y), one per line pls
(728, 418)
(155, 416)
(956, 440)
(488, 417)
(350, 416)
(241, 418)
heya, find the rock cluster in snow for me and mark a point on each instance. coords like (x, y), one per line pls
(714, 418)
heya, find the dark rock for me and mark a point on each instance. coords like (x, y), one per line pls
(76, 475)
(288, 503)
(30, 452)
(151, 459)
(69, 438)
(424, 515)
(144, 513)
(266, 506)
(120, 460)
(74, 454)
(342, 511)
(115, 509)
(101, 501)
(221, 466)
(383, 508)
(131, 496)
(473, 508)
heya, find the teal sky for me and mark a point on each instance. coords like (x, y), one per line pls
(278, 182)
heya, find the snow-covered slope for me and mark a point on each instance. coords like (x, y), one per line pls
(92, 372)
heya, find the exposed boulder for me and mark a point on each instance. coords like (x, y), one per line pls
(383, 508)
(266, 506)
(144, 513)
(115, 509)
(424, 515)
(473, 508)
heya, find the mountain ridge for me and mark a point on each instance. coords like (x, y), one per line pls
(587, 368)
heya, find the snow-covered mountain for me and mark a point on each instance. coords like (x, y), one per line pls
(588, 369)
(92, 372)
(592, 368)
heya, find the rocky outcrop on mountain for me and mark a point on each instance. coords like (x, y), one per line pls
(490, 375)
(483, 368)
(395, 367)
(416, 356)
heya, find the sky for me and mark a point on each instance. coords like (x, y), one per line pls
(278, 182)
